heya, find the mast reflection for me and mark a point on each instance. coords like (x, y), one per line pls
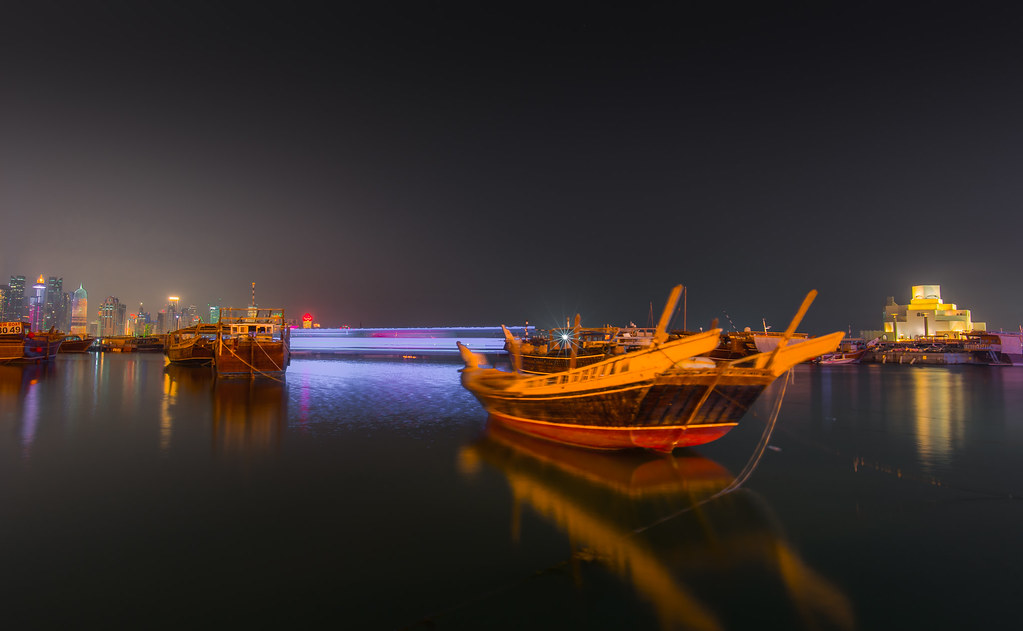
(655, 521)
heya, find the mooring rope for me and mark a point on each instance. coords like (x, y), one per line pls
(268, 375)
(747, 470)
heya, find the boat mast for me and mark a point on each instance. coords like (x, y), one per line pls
(661, 332)
(572, 341)
(761, 363)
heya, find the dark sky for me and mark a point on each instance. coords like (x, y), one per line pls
(423, 164)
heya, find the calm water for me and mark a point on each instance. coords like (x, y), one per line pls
(370, 495)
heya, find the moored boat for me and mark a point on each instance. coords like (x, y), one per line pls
(143, 344)
(850, 351)
(563, 349)
(19, 344)
(76, 343)
(996, 348)
(252, 342)
(192, 345)
(661, 397)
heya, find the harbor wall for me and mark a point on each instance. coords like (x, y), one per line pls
(889, 356)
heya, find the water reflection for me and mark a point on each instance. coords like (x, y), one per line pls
(249, 415)
(931, 413)
(940, 412)
(647, 518)
(19, 399)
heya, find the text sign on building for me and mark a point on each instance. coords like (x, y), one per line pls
(11, 327)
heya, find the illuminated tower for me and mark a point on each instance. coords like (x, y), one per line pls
(112, 317)
(37, 305)
(172, 322)
(55, 309)
(79, 310)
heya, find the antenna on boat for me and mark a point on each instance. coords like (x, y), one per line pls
(253, 294)
(661, 332)
(572, 342)
(762, 363)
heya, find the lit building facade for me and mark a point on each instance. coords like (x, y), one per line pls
(927, 315)
(56, 308)
(79, 311)
(14, 306)
(171, 320)
(37, 305)
(112, 317)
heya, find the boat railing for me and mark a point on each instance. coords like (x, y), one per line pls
(234, 315)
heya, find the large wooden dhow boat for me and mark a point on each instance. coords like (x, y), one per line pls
(662, 397)
(252, 342)
(192, 345)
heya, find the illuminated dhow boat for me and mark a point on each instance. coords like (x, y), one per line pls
(20, 345)
(660, 398)
(252, 342)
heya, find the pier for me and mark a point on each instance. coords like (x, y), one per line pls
(420, 342)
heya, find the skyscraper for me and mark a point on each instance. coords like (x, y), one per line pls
(5, 297)
(55, 308)
(37, 305)
(112, 317)
(15, 309)
(79, 311)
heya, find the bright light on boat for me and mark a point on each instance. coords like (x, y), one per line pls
(564, 336)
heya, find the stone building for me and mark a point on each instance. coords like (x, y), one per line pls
(926, 315)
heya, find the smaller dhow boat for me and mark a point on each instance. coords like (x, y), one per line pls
(661, 397)
(143, 344)
(76, 343)
(192, 345)
(850, 351)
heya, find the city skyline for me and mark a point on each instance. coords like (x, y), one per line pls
(419, 165)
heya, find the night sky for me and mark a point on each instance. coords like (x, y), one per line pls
(427, 164)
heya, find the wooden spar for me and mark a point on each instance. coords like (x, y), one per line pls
(514, 349)
(572, 341)
(661, 333)
(761, 363)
